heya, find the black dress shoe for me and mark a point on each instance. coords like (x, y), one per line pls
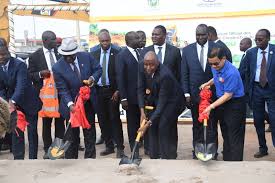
(106, 152)
(260, 154)
(5, 147)
(81, 148)
(45, 156)
(194, 155)
(146, 152)
(99, 141)
(120, 153)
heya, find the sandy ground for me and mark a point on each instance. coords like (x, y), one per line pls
(105, 169)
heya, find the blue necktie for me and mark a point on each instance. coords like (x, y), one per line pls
(104, 66)
(159, 55)
(76, 71)
(5, 69)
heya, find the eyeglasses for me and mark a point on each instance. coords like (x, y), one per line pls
(214, 64)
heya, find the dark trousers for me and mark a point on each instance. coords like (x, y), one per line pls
(259, 97)
(232, 122)
(133, 123)
(212, 131)
(109, 118)
(6, 140)
(89, 136)
(18, 144)
(32, 135)
(46, 130)
(163, 143)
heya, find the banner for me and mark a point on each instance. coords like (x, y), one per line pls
(233, 19)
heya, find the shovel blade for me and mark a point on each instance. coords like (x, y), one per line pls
(127, 160)
(58, 148)
(205, 154)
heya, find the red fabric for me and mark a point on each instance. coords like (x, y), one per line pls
(205, 96)
(78, 117)
(21, 121)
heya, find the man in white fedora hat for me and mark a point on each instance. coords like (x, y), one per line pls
(69, 72)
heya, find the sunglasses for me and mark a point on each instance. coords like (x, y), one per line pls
(214, 64)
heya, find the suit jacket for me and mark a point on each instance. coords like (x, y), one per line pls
(127, 73)
(66, 80)
(167, 95)
(111, 66)
(193, 75)
(227, 50)
(250, 61)
(243, 73)
(172, 58)
(37, 63)
(18, 87)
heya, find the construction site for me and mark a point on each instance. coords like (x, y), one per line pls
(107, 169)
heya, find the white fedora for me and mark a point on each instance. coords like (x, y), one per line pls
(68, 47)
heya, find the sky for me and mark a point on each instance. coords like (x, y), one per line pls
(35, 26)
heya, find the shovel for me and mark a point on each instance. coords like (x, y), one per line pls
(131, 160)
(205, 152)
(59, 146)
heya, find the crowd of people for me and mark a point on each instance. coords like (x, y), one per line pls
(160, 76)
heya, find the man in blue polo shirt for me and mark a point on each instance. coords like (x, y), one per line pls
(230, 105)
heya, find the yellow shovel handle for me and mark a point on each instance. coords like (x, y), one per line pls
(139, 133)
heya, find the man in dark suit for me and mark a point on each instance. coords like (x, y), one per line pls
(17, 89)
(245, 44)
(167, 98)
(195, 71)
(259, 66)
(69, 73)
(212, 36)
(127, 73)
(97, 49)
(40, 68)
(108, 97)
(168, 55)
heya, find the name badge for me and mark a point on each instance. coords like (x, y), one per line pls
(221, 80)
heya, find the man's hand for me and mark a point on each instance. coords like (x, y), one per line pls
(204, 85)
(89, 82)
(72, 108)
(124, 104)
(45, 73)
(12, 106)
(115, 96)
(188, 102)
(144, 128)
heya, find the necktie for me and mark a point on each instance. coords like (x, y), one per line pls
(137, 53)
(5, 69)
(159, 55)
(263, 78)
(201, 58)
(76, 71)
(104, 66)
(51, 58)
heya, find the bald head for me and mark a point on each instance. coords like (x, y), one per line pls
(245, 44)
(151, 62)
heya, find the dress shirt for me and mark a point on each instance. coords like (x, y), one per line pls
(259, 61)
(205, 51)
(107, 65)
(132, 50)
(156, 48)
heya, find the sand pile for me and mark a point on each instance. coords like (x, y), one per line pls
(129, 169)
